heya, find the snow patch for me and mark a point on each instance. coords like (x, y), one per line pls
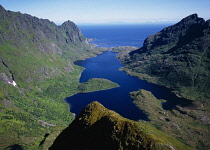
(13, 83)
(171, 147)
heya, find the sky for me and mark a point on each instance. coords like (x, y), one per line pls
(110, 11)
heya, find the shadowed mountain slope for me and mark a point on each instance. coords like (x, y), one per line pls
(100, 128)
(177, 57)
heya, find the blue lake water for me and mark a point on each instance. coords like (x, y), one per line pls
(107, 66)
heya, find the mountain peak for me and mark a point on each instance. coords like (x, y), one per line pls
(94, 105)
(2, 9)
(192, 16)
(73, 32)
(68, 24)
(192, 19)
(180, 33)
(100, 128)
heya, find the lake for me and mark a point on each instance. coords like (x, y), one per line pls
(107, 66)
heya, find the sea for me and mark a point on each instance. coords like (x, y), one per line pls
(120, 35)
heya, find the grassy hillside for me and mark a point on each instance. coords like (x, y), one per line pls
(189, 124)
(100, 128)
(37, 56)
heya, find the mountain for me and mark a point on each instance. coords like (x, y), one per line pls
(97, 127)
(177, 57)
(37, 73)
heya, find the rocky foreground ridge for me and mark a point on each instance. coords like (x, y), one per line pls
(100, 128)
(177, 57)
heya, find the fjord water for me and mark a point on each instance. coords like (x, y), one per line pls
(107, 66)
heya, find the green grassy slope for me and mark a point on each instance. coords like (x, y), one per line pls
(38, 56)
(96, 84)
(189, 125)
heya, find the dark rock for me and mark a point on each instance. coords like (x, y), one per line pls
(2, 10)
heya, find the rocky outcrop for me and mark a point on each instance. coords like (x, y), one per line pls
(99, 128)
(73, 33)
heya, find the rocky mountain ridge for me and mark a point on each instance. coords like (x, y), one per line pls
(176, 57)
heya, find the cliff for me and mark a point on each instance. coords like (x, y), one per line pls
(36, 74)
(176, 57)
(99, 128)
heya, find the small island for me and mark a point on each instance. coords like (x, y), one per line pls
(96, 84)
(124, 49)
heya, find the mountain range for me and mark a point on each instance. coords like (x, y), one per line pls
(37, 72)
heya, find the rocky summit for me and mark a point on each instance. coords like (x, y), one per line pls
(100, 128)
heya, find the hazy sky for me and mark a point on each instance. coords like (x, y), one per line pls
(106, 11)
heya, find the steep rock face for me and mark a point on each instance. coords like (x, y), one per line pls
(73, 32)
(177, 57)
(99, 128)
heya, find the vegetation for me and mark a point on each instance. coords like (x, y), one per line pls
(176, 57)
(96, 84)
(123, 48)
(38, 56)
(189, 125)
(96, 127)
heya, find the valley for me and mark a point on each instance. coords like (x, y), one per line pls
(44, 65)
